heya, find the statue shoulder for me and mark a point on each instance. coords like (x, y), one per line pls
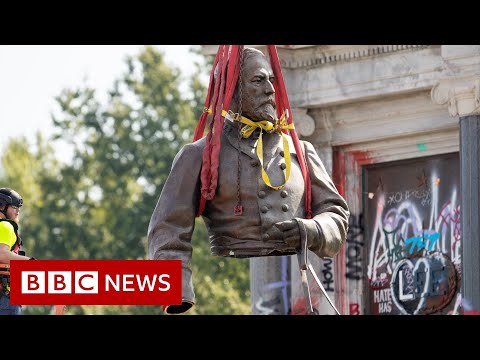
(307, 145)
(198, 145)
(190, 153)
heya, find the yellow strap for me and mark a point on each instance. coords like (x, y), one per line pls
(286, 151)
(248, 130)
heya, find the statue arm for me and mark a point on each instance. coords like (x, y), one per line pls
(327, 230)
(173, 220)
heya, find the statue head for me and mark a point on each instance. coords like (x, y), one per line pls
(255, 95)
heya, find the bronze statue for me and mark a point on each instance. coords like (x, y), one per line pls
(258, 207)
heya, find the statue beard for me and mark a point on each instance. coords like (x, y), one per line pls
(265, 112)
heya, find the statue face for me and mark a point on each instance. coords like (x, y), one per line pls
(258, 94)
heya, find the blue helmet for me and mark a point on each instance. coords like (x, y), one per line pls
(10, 197)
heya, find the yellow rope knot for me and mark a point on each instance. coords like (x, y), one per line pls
(277, 127)
(281, 124)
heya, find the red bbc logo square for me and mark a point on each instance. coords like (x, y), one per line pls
(96, 282)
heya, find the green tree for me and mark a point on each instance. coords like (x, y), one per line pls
(25, 170)
(99, 205)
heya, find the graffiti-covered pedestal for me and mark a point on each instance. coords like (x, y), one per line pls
(413, 236)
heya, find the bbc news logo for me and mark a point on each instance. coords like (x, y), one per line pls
(96, 282)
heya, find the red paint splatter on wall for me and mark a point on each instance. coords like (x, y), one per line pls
(338, 170)
(354, 309)
(344, 161)
(361, 157)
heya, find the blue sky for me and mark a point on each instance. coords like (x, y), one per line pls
(32, 75)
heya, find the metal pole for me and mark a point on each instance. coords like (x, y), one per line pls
(470, 202)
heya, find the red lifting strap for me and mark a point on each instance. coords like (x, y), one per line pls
(219, 96)
(203, 118)
(224, 86)
(283, 104)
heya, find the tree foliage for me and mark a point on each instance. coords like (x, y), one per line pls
(98, 206)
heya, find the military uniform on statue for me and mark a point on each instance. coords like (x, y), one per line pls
(260, 190)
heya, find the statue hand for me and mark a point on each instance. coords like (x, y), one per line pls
(290, 232)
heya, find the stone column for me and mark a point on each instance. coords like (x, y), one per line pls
(270, 285)
(306, 127)
(462, 95)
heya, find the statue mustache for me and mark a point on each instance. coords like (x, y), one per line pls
(270, 102)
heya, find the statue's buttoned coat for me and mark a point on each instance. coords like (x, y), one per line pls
(252, 233)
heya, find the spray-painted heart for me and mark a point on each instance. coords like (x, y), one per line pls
(423, 285)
